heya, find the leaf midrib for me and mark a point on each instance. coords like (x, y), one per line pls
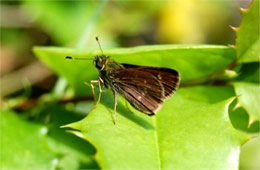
(247, 48)
(156, 139)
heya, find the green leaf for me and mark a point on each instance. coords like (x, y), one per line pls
(74, 152)
(24, 144)
(208, 94)
(212, 94)
(240, 119)
(69, 17)
(184, 134)
(248, 42)
(249, 99)
(193, 62)
(250, 155)
(249, 72)
(29, 144)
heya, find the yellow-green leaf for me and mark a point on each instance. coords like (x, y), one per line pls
(248, 42)
(249, 99)
(192, 61)
(185, 134)
(24, 144)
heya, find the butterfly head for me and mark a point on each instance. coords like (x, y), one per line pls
(100, 62)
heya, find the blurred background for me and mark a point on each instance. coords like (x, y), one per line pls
(28, 23)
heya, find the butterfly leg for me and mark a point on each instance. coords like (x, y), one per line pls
(92, 87)
(115, 104)
(100, 89)
(92, 82)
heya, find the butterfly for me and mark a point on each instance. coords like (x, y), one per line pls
(144, 87)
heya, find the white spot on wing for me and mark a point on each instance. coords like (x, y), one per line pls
(157, 109)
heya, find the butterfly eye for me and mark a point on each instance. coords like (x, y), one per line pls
(99, 64)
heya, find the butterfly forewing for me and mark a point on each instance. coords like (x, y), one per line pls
(168, 77)
(145, 87)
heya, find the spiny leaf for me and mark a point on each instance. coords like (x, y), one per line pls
(247, 42)
(185, 134)
(249, 99)
(193, 62)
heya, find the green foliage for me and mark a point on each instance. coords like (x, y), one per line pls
(193, 62)
(159, 142)
(248, 41)
(73, 152)
(249, 157)
(135, 132)
(60, 20)
(28, 140)
(39, 146)
(247, 85)
(196, 128)
(249, 72)
(249, 98)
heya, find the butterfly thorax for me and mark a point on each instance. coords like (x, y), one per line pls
(106, 66)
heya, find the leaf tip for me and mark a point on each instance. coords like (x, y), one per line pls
(77, 133)
(232, 46)
(243, 10)
(238, 105)
(229, 101)
(251, 121)
(235, 29)
(230, 73)
(65, 126)
(74, 125)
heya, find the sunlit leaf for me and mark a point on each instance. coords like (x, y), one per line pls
(74, 153)
(249, 99)
(248, 41)
(65, 21)
(182, 135)
(193, 62)
(24, 144)
(250, 154)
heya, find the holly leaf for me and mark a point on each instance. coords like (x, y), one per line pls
(182, 135)
(195, 63)
(249, 99)
(247, 42)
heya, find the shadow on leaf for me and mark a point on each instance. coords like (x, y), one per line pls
(108, 100)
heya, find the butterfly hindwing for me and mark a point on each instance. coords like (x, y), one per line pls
(145, 87)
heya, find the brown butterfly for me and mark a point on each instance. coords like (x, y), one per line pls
(144, 87)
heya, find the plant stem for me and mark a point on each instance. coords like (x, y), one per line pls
(90, 25)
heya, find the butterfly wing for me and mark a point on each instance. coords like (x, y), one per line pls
(145, 87)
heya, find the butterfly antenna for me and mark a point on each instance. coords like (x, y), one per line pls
(99, 45)
(75, 58)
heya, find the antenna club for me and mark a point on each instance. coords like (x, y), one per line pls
(99, 45)
(68, 57)
(76, 58)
